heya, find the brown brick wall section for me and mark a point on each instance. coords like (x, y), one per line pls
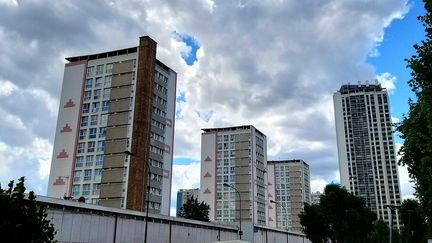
(137, 183)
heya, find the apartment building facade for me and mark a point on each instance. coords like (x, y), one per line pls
(236, 156)
(288, 190)
(367, 155)
(112, 102)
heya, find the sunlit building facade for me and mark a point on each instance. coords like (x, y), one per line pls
(367, 156)
(112, 102)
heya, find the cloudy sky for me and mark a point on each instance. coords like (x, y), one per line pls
(271, 63)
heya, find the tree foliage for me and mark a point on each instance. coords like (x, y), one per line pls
(192, 209)
(340, 217)
(414, 227)
(23, 219)
(416, 127)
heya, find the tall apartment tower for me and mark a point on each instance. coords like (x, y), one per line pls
(289, 188)
(184, 194)
(236, 156)
(367, 157)
(112, 102)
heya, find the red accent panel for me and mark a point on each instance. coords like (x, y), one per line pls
(207, 175)
(169, 122)
(66, 128)
(69, 104)
(62, 155)
(167, 148)
(166, 173)
(59, 182)
(208, 159)
(207, 191)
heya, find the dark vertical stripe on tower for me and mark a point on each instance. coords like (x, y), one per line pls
(137, 181)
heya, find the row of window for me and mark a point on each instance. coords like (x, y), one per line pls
(87, 175)
(160, 88)
(86, 190)
(99, 69)
(159, 100)
(89, 160)
(94, 120)
(158, 124)
(97, 94)
(95, 107)
(92, 133)
(161, 76)
(156, 150)
(91, 147)
(159, 112)
(157, 137)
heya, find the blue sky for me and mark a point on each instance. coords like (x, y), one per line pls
(397, 45)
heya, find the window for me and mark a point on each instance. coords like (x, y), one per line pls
(92, 132)
(82, 134)
(106, 93)
(93, 120)
(102, 132)
(75, 190)
(101, 146)
(108, 80)
(105, 105)
(97, 94)
(95, 106)
(87, 95)
(99, 159)
(90, 146)
(85, 108)
(89, 83)
(84, 121)
(98, 82)
(77, 175)
(104, 119)
(79, 161)
(87, 175)
(96, 189)
(97, 174)
(99, 69)
(80, 148)
(90, 71)
(108, 68)
(86, 189)
(89, 160)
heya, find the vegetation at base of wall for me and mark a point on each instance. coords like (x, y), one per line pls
(192, 209)
(22, 218)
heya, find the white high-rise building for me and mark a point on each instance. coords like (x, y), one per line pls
(236, 156)
(367, 156)
(288, 191)
(112, 102)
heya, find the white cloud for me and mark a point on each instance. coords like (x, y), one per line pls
(272, 64)
(7, 88)
(184, 177)
(387, 81)
(32, 160)
(318, 185)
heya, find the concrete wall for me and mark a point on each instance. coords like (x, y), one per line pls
(80, 222)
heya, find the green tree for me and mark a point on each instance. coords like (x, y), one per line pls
(380, 233)
(314, 224)
(416, 127)
(192, 209)
(343, 216)
(414, 227)
(23, 219)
